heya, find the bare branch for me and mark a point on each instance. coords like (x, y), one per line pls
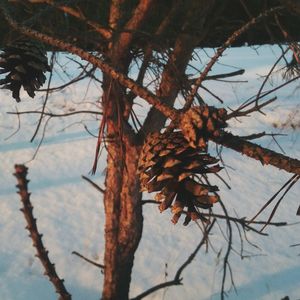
(260, 135)
(104, 32)
(177, 279)
(257, 107)
(268, 75)
(220, 76)
(139, 16)
(296, 178)
(265, 156)
(46, 99)
(288, 185)
(172, 76)
(248, 102)
(96, 186)
(228, 251)
(83, 75)
(220, 51)
(96, 61)
(42, 253)
(149, 201)
(88, 260)
(211, 93)
(18, 128)
(52, 115)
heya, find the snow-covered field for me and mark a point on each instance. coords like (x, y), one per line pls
(70, 212)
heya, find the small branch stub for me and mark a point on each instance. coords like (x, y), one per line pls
(42, 253)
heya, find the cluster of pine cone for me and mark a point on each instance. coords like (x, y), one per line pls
(25, 62)
(169, 166)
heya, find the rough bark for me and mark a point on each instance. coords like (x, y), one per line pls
(123, 211)
(122, 200)
(173, 74)
(265, 156)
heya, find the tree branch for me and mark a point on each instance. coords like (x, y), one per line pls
(93, 112)
(88, 260)
(239, 112)
(228, 140)
(105, 33)
(220, 76)
(177, 279)
(96, 186)
(220, 51)
(173, 71)
(42, 253)
(265, 156)
(139, 16)
(96, 61)
(257, 107)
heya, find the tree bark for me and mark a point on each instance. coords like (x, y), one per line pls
(122, 200)
(173, 75)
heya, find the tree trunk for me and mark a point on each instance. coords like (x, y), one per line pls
(123, 211)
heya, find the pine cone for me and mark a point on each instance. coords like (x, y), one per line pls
(25, 62)
(169, 165)
(201, 122)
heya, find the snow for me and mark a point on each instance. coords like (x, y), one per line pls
(70, 211)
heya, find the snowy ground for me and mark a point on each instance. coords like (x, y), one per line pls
(70, 213)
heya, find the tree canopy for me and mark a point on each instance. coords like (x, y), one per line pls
(223, 17)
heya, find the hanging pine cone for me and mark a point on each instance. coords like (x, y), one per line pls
(25, 62)
(170, 166)
(201, 122)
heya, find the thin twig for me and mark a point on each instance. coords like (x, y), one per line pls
(220, 51)
(17, 130)
(279, 201)
(88, 260)
(273, 197)
(260, 135)
(78, 78)
(212, 94)
(46, 99)
(41, 140)
(226, 257)
(256, 107)
(96, 186)
(268, 76)
(225, 75)
(177, 279)
(150, 201)
(242, 221)
(249, 101)
(55, 115)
